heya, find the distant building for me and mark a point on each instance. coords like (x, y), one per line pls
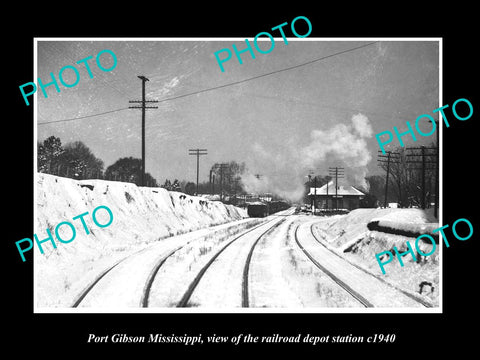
(344, 197)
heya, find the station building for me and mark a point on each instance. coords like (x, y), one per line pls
(330, 197)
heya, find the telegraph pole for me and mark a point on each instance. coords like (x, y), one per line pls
(437, 181)
(197, 152)
(424, 163)
(386, 181)
(143, 107)
(337, 172)
(391, 158)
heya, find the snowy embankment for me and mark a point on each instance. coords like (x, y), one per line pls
(141, 216)
(362, 233)
(403, 227)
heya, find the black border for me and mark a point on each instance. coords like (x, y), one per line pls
(66, 334)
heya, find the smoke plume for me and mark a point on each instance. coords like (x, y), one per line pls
(284, 169)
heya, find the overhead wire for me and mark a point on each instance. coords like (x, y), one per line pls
(225, 85)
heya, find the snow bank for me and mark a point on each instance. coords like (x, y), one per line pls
(406, 222)
(405, 229)
(342, 229)
(141, 216)
(362, 233)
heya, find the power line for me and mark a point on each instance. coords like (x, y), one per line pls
(268, 74)
(230, 84)
(83, 117)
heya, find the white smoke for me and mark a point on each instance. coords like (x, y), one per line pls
(284, 170)
(342, 146)
(275, 174)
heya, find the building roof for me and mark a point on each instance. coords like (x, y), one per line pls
(341, 191)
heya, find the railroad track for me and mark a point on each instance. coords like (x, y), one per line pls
(78, 300)
(148, 283)
(246, 269)
(357, 296)
(242, 267)
(145, 296)
(271, 224)
(411, 296)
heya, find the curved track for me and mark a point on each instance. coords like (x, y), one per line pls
(368, 289)
(412, 296)
(342, 284)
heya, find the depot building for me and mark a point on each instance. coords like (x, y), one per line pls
(329, 197)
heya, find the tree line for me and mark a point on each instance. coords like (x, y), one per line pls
(76, 161)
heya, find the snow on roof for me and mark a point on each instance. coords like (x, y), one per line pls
(341, 191)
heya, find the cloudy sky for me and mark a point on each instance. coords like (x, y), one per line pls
(282, 125)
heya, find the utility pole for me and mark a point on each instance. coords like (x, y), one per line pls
(197, 152)
(143, 107)
(423, 178)
(386, 181)
(337, 172)
(437, 165)
(391, 158)
(423, 168)
(437, 182)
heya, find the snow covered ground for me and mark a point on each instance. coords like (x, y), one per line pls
(161, 242)
(349, 236)
(281, 276)
(141, 217)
